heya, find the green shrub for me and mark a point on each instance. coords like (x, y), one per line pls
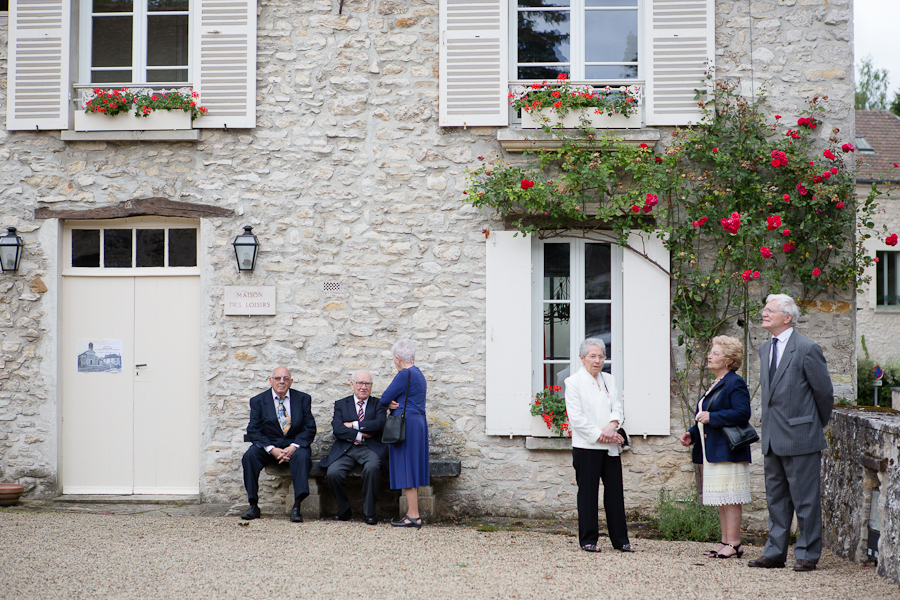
(865, 381)
(682, 517)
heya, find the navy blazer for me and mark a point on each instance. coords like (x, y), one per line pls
(264, 430)
(345, 411)
(732, 407)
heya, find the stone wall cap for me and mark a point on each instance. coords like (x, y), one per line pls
(142, 207)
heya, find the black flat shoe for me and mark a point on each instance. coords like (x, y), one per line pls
(343, 516)
(591, 548)
(371, 521)
(407, 522)
(252, 513)
(737, 553)
(296, 515)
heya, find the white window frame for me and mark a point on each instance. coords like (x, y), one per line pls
(881, 273)
(138, 45)
(577, 11)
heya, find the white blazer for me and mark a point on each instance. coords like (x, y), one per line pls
(591, 406)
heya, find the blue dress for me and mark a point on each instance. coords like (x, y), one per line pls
(409, 459)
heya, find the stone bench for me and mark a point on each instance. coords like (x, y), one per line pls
(312, 505)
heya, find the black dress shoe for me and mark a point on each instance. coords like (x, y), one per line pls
(765, 563)
(343, 516)
(252, 513)
(296, 515)
(804, 565)
(371, 521)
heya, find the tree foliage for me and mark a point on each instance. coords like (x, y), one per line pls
(871, 87)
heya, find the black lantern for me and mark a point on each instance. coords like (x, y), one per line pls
(10, 251)
(246, 247)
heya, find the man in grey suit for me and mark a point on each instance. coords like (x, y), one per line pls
(797, 398)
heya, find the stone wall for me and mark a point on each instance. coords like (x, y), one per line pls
(348, 178)
(863, 454)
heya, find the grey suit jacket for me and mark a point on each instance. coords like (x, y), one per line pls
(797, 403)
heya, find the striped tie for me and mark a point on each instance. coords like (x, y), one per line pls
(360, 415)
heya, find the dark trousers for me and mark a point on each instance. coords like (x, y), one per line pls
(792, 485)
(590, 467)
(371, 478)
(255, 460)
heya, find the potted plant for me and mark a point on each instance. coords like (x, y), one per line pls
(561, 104)
(134, 109)
(551, 408)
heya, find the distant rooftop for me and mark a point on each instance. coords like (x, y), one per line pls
(881, 131)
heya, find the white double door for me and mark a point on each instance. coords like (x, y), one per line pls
(136, 431)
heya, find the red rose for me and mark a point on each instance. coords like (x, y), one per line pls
(788, 247)
(715, 149)
(658, 159)
(834, 170)
(643, 147)
(755, 274)
(840, 205)
(777, 116)
(526, 184)
(786, 232)
(703, 220)
(848, 148)
(828, 154)
(695, 223)
(786, 197)
(746, 275)
(891, 240)
(773, 222)
(816, 272)
(765, 252)
(635, 208)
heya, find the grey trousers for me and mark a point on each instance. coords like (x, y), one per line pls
(371, 478)
(793, 485)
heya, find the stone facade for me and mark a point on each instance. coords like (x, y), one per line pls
(862, 456)
(348, 178)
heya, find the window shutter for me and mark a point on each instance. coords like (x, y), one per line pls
(225, 63)
(473, 63)
(38, 65)
(508, 328)
(681, 48)
(646, 386)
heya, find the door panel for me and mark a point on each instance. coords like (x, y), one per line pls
(166, 391)
(97, 408)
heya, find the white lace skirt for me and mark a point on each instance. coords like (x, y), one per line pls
(724, 482)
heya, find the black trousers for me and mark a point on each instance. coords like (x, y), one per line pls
(255, 460)
(590, 467)
(371, 478)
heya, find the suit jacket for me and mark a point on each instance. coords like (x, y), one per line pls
(797, 403)
(264, 430)
(728, 404)
(590, 409)
(345, 410)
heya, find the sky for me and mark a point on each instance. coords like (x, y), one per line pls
(876, 33)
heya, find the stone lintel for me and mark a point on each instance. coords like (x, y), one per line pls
(144, 207)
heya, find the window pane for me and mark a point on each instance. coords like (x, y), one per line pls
(167, 40)
(891, 297)
(543, 36)
(117, 248)
(86, 248)
(111, 42)
(182, 247)
(611, 3)
(556, 331)
(610, 72)
(151, 247)
(160, 5)
(597, 272)
(598, 323)
(556, 271)
(541, 72)
(555, 374)
(110, 76)
(108, 6)
(166, 75)
(611, 36)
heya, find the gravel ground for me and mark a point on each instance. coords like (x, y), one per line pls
(73, 556)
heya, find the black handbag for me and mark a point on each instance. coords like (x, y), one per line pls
(394, 430)
(737, 436)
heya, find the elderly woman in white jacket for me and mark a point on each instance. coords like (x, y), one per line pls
(595, 412)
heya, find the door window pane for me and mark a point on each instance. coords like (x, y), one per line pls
(117, 248)
(598, 323)
(597, 273)
(86, 248)
(151, 247)
(555, 374)
(556, 272)
(182, 247)
(556, 331)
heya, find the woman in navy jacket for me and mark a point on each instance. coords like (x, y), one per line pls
(726, 473)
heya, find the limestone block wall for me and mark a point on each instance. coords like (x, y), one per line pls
(863, 454)
(347, 178)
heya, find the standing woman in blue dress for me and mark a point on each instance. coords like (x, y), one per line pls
(408, 459)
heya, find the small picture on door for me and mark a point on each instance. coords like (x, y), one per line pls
(99, 356)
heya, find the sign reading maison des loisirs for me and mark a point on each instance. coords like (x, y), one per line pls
(250, 300)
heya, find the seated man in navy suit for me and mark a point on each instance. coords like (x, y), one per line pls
(281, 429)
(357, 424)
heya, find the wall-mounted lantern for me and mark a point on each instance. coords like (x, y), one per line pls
(10, 251)
(246, 248)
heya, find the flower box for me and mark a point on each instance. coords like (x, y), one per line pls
(158, 120)
(535, 119)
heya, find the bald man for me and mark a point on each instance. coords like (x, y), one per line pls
(281, 430)
(357, 424)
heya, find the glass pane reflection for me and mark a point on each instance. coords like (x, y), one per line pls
(556, 331)
(111, 39)
(86, 248)
(611, 71)
(611, 36)
(182, 247)
(151, 247)
(598, 323)
(117, 248)
(556, 271)
(543, 36)
(555, 374)
(597, 272)
(167, 41)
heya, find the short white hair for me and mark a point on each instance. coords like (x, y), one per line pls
(592, 341)
(405, 350)
(787, 305)
(355, 373)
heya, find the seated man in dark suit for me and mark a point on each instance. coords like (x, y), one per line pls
(281, 429)
(357, 424)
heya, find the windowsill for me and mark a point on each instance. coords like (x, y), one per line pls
(887, 309)
(548, 443)
(516, 139)
(181, 135)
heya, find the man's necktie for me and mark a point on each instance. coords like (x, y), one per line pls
(284, 419)
(360, 415)
(773, 366)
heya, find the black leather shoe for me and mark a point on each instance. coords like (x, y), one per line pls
(296, 515)
(371, 521)
(765, 563)
(804, 565)
(252, 513)
(591, 548)
(626, 548)
(343, 516)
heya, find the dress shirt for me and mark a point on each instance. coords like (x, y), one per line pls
(287, 408)
(365, 402)
(783, 338)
